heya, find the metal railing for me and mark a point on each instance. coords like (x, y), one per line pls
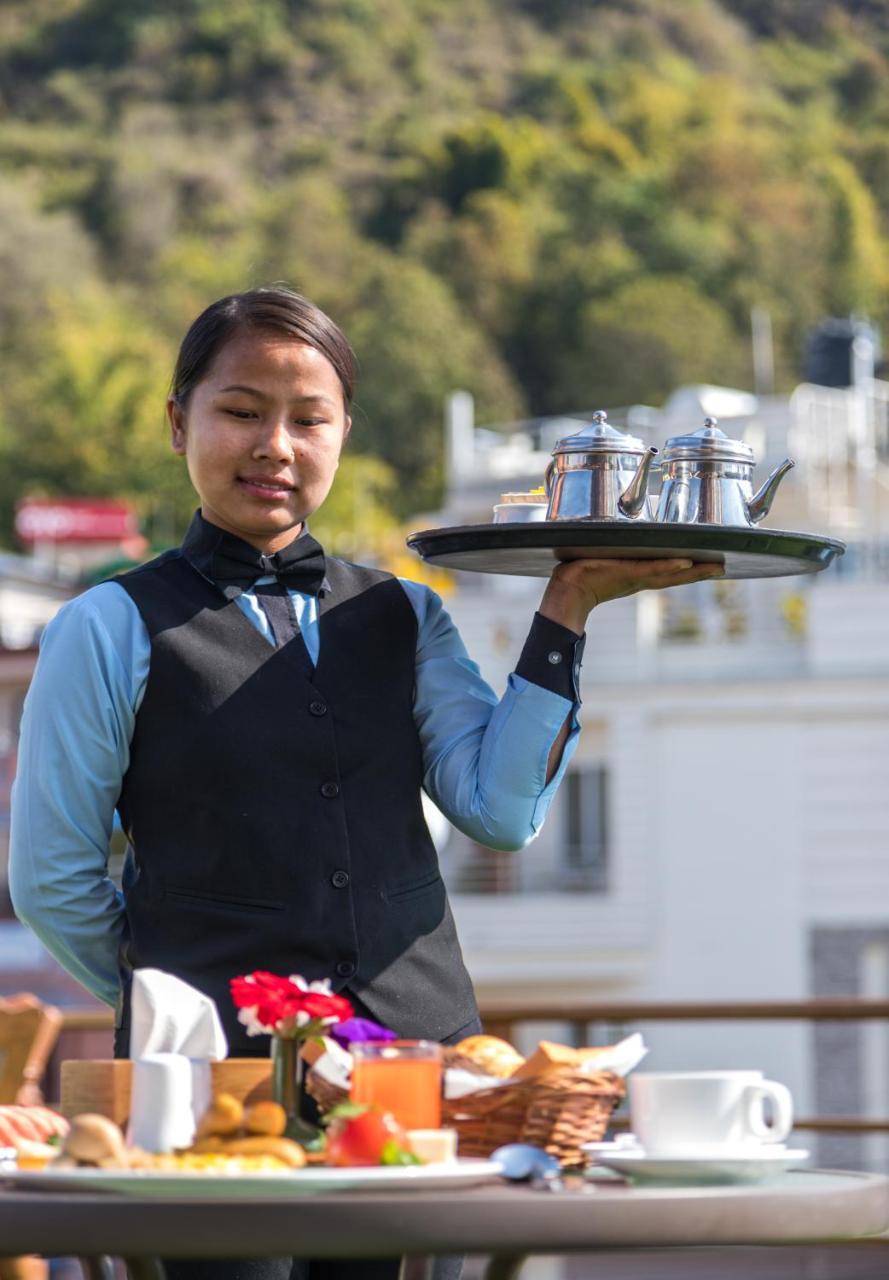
(480, 870)
(87, 1033)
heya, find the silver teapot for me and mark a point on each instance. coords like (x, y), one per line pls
(706, 478)
(599, 474)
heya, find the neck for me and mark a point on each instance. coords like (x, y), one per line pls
(267, 544)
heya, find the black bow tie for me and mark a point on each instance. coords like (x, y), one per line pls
(235, 565)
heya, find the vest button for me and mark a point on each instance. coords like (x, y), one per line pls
(318, 708)
(339, 879)
(330, 790)
(345, 968)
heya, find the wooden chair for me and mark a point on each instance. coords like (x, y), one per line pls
(29, 1030)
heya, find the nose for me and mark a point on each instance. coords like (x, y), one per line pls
(274, 441)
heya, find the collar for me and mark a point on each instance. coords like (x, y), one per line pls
(234, 565)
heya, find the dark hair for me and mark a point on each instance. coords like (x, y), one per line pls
(274, 308)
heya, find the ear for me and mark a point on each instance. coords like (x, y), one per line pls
(347, 428)
(176, 419)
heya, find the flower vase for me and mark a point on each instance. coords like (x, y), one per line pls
(288, 1070)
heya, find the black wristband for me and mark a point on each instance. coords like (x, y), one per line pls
(551, 658)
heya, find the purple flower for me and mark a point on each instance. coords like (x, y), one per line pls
(357, 1030)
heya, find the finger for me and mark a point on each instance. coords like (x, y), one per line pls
(624, 564)
(700, 573)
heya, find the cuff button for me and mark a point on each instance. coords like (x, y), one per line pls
(554, 658)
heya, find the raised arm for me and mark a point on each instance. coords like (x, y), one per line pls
(492, 766)
(486, 761)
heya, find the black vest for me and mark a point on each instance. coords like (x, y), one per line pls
(274, 820)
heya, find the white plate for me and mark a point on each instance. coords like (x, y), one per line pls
(261, 1185)
(732, 1166)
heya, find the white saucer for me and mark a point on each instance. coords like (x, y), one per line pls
(715, 1165)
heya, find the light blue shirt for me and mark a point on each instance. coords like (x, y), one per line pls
(484, 759)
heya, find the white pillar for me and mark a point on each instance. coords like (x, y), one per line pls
(459, 422)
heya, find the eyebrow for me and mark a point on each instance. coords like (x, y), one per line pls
(254, 391)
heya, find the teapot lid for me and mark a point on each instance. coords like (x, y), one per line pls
(708, 444)
(599, 437)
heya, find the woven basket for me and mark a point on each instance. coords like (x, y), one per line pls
(559, 1114)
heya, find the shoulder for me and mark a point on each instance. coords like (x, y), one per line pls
(348, 580)
(348, 569)
(152, 571)
(94, 625)
(426, 604)
(437, 636)
(101, 608)
(383, 597)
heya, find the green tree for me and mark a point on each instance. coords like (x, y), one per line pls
(415, 345)
(646, 339)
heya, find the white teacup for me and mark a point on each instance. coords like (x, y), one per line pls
(519, 512)
(695, 1110)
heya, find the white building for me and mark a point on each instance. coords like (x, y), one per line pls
(724, 831)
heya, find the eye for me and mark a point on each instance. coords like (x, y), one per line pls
(240, 414)
(310, 422)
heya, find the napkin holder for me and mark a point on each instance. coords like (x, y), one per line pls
(102, 1085)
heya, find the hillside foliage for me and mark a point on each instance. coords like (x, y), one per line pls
(554, 204)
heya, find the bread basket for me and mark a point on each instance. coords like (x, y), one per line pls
(559, 1112)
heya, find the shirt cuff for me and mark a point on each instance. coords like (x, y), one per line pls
(551, 658)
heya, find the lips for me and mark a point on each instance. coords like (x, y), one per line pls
(266, 486)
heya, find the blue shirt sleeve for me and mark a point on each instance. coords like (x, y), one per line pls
(73, 752)
(485, 759)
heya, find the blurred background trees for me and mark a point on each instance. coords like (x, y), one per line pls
(554, 205)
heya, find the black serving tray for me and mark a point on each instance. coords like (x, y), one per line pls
(533, 549)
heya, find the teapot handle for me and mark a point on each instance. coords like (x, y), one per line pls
(548, 477)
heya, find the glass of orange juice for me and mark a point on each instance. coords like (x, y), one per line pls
(400, 1076)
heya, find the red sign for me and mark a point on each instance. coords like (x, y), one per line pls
(74, 520)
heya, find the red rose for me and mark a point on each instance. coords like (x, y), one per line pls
(270, 1000)
(317, 1005)
(249, 990)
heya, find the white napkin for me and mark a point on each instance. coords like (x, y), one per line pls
(169, 1016)
(334, 1064)
(457, 1082)
(620, 1058)
(163, 1116)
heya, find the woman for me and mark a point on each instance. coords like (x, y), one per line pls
(263, 717)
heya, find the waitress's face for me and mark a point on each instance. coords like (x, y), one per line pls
(262, 434)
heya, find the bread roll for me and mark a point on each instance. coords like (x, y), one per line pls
(225, 1115)
(549, 1057)
(289, 1153)
(93, 1138)
(268, 1118)
(495, 1057)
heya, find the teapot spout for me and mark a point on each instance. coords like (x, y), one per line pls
(632, 501)
(760, 504)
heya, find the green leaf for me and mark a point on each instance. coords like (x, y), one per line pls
(345, 1111)
(394, 1154)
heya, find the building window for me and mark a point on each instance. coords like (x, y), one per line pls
(570, 857)
(585, 847)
